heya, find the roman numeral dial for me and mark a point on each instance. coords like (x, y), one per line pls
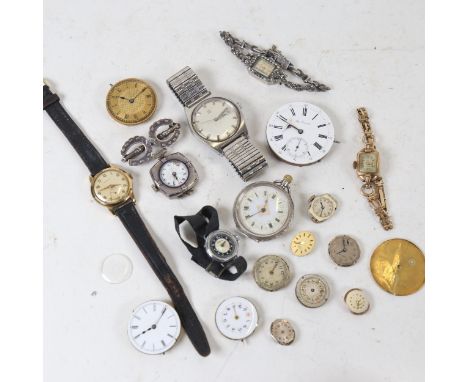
(300, 133)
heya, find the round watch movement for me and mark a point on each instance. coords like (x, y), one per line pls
(312, 291)
(357, 301)
(303, 243)
(300, 133)
(264, 210)
(271, 272)
(222, 245)
(344, 250)
(216, 119)
(111, 186)
(236, 318)
(321, 207)
(131, 101)
(283, 332)
(154, 327)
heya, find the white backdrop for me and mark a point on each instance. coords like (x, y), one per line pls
(370, 52)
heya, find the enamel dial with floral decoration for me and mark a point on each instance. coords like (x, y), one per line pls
(236, 318)
(300, 133)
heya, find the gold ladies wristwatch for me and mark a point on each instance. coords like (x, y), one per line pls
(367, 169)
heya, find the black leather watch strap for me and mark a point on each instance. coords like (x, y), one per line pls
(85, 149)
(203, 223)
(132, 221)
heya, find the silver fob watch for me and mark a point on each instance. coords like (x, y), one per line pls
(218, 122)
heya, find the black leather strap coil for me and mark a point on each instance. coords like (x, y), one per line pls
(135, 226)
(85, 149)
(203, 223)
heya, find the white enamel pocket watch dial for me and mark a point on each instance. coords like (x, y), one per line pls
(312, 291)
(263, 210)
(300, 133)
(154, 327)
(271, 272)
(357, 301)
(236, 318)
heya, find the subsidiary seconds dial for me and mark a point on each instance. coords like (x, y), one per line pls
(300, 133)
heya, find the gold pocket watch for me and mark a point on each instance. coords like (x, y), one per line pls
(131, 101)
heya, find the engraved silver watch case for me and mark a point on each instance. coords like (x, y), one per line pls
(179, 188)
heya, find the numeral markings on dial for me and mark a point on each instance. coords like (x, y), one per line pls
(278, 137)
(316, 144)
(304, 111)
(323, 136)
(292, 111)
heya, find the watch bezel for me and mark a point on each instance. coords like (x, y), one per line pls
(250, 234)
(172, 192)
(213, 254)
(129, 194)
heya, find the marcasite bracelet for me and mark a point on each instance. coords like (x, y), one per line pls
(270, 65)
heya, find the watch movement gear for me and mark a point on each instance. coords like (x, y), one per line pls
(218, 122)
(367, 168)
(270, 65)
(321, 207)
(209, 251)
(271, 272)
(264, 210)
(131, 101)
(344, 250)
(128, 214)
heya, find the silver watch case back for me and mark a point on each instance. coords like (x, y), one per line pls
(236, 211)
(174, 192)
(213, 254)
(218, 146)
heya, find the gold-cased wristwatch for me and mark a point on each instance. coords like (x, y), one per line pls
(367, 166)
(112, 187)
(321, 207)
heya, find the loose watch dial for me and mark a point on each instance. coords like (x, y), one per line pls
(111, 186)
(321, 207)
(312, 291)
(236, 318)
(131, 101)
(174, 173)
(300, 133)
(271, 272)
(303, 243)
(283, 332)
(344, 250)
(357, 301)
(216, 119)
(221, 245)
(263, 210)
(154, 327)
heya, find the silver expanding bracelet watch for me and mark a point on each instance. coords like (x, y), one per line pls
(270, 65)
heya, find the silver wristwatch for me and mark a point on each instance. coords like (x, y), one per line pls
(174, 175)
(218, 122)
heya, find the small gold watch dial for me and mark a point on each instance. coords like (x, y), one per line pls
(111, 186)
(131, 101)
(357, 301)
(368, 163)
(398, 266)
(303, 243)
(271, 272)
(283, 332)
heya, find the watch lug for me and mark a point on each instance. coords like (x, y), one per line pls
(155, 187)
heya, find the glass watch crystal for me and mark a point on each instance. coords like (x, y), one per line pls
(216, 119)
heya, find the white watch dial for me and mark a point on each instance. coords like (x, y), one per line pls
(236, 318)
(264, 210)
(154, 327)
(357, 301)
(174, 173)
(300, 133)
(216, 119)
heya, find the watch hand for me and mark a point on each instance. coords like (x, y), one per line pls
(109, 186)
(174, 174)
(133, 99)
(235, 313)
(274, 267)
(120, 97)
(222, 114)
(300, 131)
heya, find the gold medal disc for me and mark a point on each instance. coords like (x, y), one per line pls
(398, 266)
